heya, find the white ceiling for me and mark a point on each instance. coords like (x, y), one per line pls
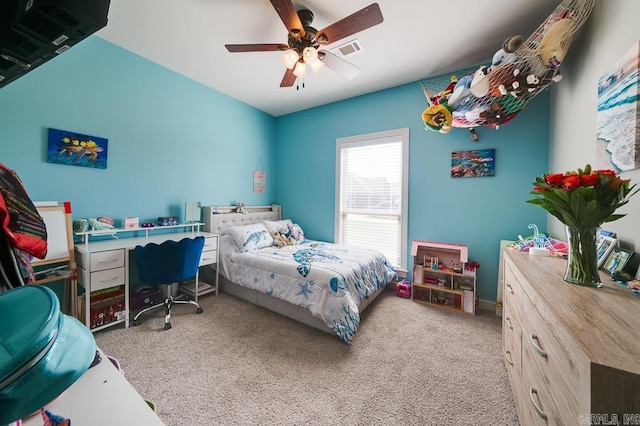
(417, 39)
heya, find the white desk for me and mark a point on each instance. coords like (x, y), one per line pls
(100, 397)
(105, 264)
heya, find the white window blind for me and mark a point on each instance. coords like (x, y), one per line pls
(371, 193)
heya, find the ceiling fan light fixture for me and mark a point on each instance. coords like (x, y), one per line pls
(316, 66)
(290, 58)
(299, 70)
(310, 55)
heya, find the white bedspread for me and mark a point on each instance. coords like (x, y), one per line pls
(331, 280)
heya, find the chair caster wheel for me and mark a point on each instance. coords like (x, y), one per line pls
(136, 322)
(199, 311)
(167, 326)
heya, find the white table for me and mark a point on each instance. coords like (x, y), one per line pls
(100, 397)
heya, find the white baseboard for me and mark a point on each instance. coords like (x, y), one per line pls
(487, 305)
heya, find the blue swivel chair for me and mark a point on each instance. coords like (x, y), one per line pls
(165, 265)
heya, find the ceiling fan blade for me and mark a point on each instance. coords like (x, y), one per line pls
(339, 65)
(361, 20)
(264, 47)
(288, 79)
(289, 16)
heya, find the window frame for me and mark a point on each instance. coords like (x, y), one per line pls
(370, 139)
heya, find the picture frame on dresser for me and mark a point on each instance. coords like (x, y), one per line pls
(617, 260)
(605, 246)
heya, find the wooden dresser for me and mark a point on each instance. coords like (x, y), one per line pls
(572, 352)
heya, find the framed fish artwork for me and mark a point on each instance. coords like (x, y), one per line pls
(474, 163)
(75, 149)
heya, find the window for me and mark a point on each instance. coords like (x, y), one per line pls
(371, 192)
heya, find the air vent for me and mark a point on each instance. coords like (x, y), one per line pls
(347, 49)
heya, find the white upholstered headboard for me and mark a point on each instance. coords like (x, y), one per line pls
(216, 218)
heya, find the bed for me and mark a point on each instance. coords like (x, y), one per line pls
(323, 285)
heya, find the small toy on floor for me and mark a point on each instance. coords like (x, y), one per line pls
(403, 289)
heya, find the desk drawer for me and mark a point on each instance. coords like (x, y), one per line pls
(210, 243)
(105, 279)
(208, 257)
(102, 260)
(209, 251)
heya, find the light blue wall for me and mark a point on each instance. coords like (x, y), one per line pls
(478, 212)
(171, 140)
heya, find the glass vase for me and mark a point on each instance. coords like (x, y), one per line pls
(582, 261)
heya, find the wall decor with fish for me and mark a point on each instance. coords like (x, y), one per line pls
(75, 149)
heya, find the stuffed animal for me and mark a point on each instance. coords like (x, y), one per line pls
(502, 75)
(515, 55)
(283, 237)
(240, 208)
(480, 82)
(506, 54)
(551, 76)
(278, 239)
(444, 95)
(461, 98)
(511, 44)
(556, 41)
(519, 85)
(530, 83)
(438, 117)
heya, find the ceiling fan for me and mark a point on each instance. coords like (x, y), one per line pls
(305, 42)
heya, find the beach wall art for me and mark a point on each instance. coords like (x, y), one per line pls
(75, 149)
(618, 143)
(474, 163)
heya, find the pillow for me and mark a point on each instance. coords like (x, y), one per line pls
(296, 232)
(276, 225)
(250, 237)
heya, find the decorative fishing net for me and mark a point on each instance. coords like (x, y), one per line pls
(521, 69)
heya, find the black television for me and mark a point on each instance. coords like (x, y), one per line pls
(33, 32)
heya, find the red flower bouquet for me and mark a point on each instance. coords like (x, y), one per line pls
(582, 200)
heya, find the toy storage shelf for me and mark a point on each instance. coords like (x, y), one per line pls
(449, 284)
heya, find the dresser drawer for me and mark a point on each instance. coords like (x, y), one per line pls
(512, 291)
(102, 260)
(511, 341)
(556, 358)
(538, 406)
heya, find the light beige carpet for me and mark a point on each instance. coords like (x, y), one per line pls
(237, 364)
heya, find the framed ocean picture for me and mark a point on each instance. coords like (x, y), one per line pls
(475, 163)
(618, 142)
(75, 149)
